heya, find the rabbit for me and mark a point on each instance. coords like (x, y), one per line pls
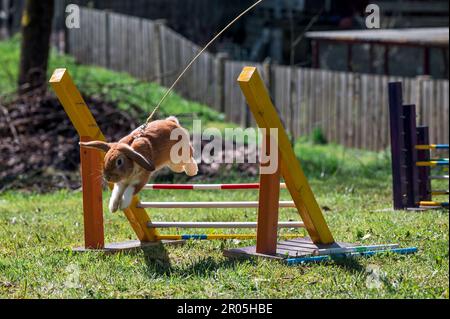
(131, 161)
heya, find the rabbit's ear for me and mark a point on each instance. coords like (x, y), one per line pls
(138, 158)
(98, 145)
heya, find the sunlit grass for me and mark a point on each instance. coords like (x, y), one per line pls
(38, 232)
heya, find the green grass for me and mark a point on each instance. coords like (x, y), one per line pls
(353, 187)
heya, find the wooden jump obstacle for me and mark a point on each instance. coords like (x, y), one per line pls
(320, 242)
(411, 157)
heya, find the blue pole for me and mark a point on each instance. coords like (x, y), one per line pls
(312, 259)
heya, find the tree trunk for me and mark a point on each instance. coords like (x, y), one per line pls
(36, 30)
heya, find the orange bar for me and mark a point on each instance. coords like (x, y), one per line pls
(91, 168)
(269, 194)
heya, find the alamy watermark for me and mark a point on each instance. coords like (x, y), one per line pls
(373, 17)
(73, 16)
(73, 276)
(260, 142)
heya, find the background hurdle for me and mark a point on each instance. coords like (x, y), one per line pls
(411, 158)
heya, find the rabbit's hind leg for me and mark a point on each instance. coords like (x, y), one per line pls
(191, 168)
(177, 168)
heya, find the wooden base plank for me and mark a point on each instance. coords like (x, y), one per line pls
(130, 245)
(290, 248)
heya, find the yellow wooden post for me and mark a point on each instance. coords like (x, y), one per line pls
(266, 116)
(87, 127)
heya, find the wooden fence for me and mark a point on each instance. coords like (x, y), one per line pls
(350, 108)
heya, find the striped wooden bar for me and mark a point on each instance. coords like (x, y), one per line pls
(315, 259)
(353, 249)
(216, 236)
(441, 162)
(219, 224)
(432, 147)
(433, 204)
(206, 186)
(439, 177)
(439, 192)
(250, 204)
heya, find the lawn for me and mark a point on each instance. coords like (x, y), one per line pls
(353, 187)
(38, 232)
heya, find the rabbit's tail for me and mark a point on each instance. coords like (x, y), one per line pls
(173, 119)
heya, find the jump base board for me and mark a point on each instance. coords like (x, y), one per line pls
(291, 248)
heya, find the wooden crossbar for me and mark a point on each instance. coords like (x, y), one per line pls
(432, 147)
(216, 236)
(219, 224)
(433, 204)
(441, 162)
(440, 192)
(207, 186)
(439, 177)
(248, 204)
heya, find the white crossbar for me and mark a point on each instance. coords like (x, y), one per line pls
(208, 204)
(439, 177)
(219, 225)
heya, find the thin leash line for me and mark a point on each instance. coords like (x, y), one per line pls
(196, 57)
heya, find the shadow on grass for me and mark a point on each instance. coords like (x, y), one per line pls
(351, 265)
(158, 262)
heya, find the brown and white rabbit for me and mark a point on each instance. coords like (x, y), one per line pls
(130, 162)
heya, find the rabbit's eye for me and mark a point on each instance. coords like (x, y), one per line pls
(119, 162)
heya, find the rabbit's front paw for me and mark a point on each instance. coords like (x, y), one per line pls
(113, 204)
(127, 197)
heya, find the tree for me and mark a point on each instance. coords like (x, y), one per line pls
(36, 30)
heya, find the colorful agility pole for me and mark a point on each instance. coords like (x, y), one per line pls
(354, 249)
(317, 259)
(206, 186)
(219, 225)
(434, 162)
(439, 177)
(432, 147)
(236, 204)
(433, 204)
(216, 236)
